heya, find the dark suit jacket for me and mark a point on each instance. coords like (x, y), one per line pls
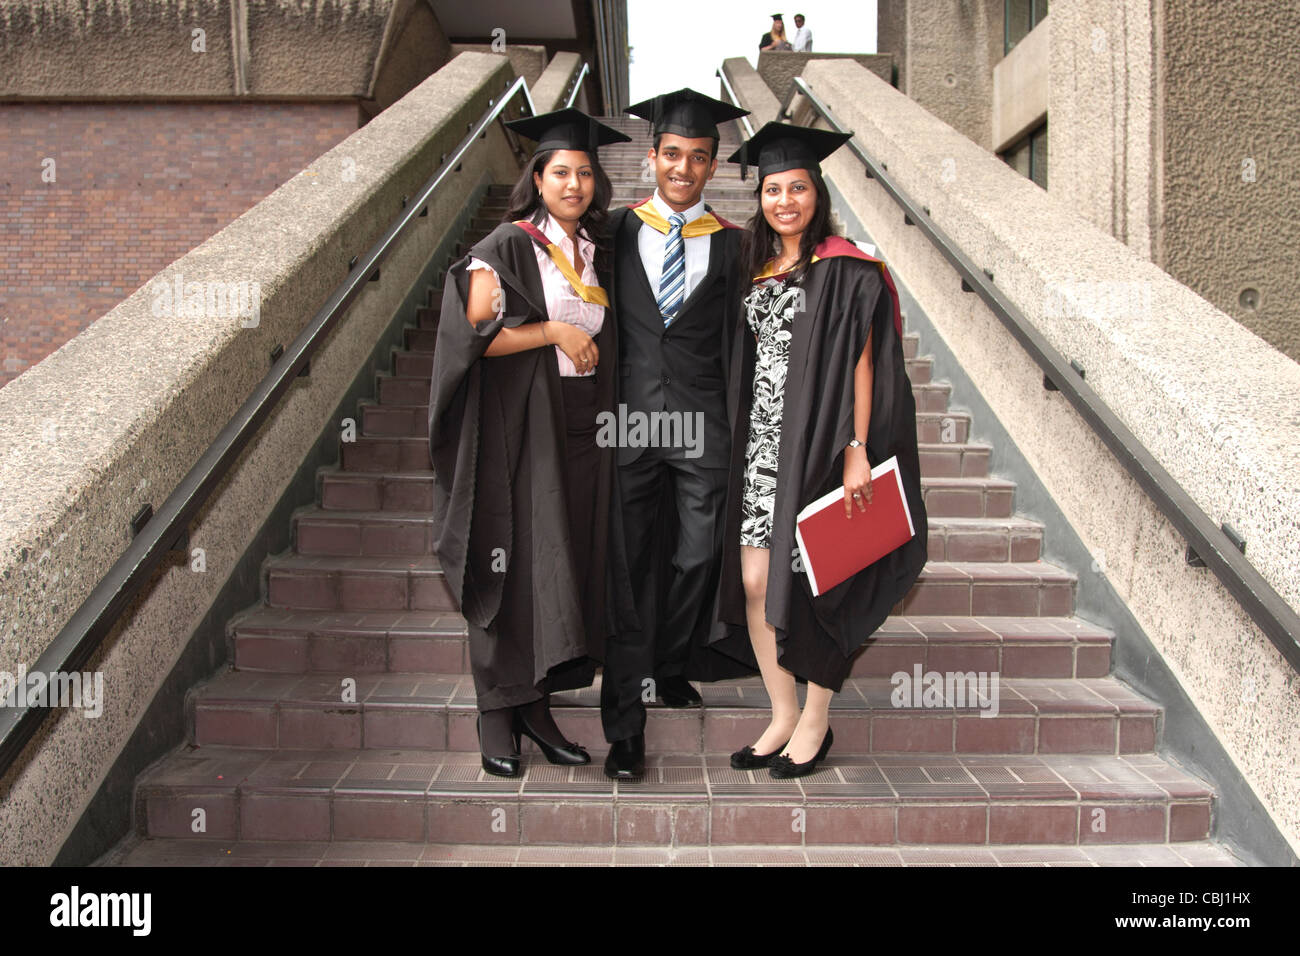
(678, 368)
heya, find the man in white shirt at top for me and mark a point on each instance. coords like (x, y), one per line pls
(802, 39)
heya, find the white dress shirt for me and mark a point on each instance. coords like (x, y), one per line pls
(802, 40)
(651, 243)
(562, 303)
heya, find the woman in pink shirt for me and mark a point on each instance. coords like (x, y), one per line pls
(524, 365)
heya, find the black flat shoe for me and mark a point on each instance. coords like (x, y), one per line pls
(676, 691)
(498, 766)
(565, 753)
(746, 759)
(782, 766)
(626, 759)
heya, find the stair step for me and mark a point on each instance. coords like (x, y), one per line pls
(356, 491)
(954, 459)
(377, 532)
(420, 796)
(974, 589)
(276, 640)
(438, 712)
(373, 454)
(952, 426)
(324, 583)
(162, 852)
(420, 365)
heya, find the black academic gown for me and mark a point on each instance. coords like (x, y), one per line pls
(847, 294)
(497, 437)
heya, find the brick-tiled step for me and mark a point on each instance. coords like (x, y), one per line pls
(360, 491)
(955, 459)
(413, 420)
(377, 532)
(964, 588)
(395, 420)
(419, 796)
(374, 454)
(973, 497)
(989, 589)
(357, 583)
(293, 642)
(403, 390)
(983, 539)
(420, 340)
(438, 712)
(413, 390)
(354, 491)
(137, 851)
(420, 365)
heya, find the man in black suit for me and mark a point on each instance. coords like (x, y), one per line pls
(675, 285)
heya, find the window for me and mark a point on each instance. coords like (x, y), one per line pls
(1018, 18)
(1028, 157)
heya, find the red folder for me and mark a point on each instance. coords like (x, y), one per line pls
(834, 548)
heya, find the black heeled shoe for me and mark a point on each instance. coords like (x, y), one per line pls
(746, 759)
(782, 766)
(499, 766)
(566, 753)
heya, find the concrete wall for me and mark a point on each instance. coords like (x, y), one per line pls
(117, 416)
(1230, 219)
(891, 35)
(1020, 87)
(951, 49)
(778, 69)
(1103, 138)
(1172, 128)
(1184, 377)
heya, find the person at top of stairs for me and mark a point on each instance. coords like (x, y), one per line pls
(518, 381)
(819, 390)
(674, 281)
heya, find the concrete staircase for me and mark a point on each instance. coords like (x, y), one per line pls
(345, 729)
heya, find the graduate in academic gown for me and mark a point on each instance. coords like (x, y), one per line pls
(819, 393)
(523, 367)
(675, 282)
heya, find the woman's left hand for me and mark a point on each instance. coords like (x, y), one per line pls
(857, 480)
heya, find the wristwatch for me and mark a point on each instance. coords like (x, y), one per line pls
(855, 444)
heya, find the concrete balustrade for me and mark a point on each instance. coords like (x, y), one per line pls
(1214, 403)
(751, 91)
(119, 414)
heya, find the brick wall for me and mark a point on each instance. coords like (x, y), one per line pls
(136, 185)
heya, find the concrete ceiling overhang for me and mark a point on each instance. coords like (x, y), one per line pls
(534, 20)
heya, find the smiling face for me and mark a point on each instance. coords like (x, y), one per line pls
(789, 200)
(682, 167)
(567, 184)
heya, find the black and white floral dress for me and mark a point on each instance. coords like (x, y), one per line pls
(769, 312)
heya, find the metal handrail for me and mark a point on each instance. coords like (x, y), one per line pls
(731, 95)
(577, 85)
(81, 636)
(1277, 619)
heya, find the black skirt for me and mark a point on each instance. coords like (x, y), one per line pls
(502, 656)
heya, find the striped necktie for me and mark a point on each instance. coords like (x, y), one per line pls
(672, 281)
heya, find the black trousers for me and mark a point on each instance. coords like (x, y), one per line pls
(674, 600)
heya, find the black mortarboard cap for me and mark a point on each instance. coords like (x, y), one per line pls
(777, 16)
(779, 146)
(686, 113)
(567, 129)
